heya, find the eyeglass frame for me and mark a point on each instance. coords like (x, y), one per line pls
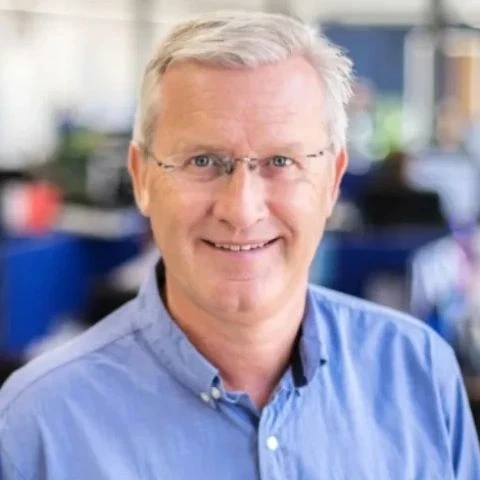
(228, 167)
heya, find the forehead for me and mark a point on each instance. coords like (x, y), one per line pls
(269, 101)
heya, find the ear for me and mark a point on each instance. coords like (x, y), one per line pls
(138, 170)
(341, 163)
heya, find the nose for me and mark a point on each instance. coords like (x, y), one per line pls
(241, 198)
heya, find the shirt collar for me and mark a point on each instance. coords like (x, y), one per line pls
(168, 342)
(175, 351)
(309, 353)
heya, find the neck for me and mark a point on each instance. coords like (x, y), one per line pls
(251, 351)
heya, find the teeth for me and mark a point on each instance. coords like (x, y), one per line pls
(238, 248)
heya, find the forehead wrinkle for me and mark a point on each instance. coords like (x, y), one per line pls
(239, 137)
(205, 127)
(268, 107)
(242, 122)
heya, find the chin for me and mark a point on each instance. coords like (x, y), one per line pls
(241, 296)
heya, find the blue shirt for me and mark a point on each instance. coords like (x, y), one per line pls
(370, 394)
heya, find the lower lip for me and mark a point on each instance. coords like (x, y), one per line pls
(243, 253)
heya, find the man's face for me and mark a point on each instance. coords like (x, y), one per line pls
(259, 113)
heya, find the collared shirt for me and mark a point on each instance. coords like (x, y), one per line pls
(370, 394)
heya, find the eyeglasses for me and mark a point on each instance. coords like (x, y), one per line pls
(206, 167)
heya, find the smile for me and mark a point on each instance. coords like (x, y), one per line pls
(237, 247)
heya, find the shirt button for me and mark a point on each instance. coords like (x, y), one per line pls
(216, 393)
(205, 397)
(272, 443)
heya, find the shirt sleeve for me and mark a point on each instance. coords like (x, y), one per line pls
(461, 432)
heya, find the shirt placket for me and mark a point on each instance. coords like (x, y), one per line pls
(272, 438)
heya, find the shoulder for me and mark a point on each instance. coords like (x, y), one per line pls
(50, 372)
(344, 319)
(63, 397)
(353, 310)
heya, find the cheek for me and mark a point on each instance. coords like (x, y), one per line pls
(313, 197)
(305, 209)
(174, 212)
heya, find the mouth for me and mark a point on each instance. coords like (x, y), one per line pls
(241, 247)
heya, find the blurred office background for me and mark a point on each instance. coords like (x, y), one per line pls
(406, 230)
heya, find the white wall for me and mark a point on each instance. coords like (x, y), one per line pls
(86, 63)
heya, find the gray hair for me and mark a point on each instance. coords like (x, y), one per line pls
(247, 40)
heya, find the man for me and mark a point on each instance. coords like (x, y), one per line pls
(227, 364)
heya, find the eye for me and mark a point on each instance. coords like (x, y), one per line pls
(204, 160)
(281, 161)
